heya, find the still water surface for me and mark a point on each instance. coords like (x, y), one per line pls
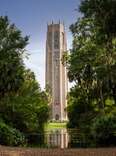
(64, 138)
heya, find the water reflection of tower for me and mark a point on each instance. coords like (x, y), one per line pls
(57, 138)
(64, 138)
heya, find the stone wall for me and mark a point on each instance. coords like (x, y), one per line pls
(7, 151)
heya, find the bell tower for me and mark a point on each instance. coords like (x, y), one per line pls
(56, 73)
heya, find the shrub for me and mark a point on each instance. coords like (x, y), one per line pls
(104, 130)
(10, 136)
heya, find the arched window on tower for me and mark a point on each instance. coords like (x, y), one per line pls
(56, 117)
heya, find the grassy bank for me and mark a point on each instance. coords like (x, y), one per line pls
(55, 125)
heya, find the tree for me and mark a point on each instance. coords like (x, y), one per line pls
(92, 61)
(105, 36)
(12, 47)
(22, 103)
(26, 109)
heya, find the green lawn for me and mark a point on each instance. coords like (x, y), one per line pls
(55, 125)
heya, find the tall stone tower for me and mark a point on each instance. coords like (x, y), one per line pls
(56, 74)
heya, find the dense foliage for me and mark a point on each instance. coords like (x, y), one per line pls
(11, 51)
(11, 136)
(23, 106)
(92, 65)
(103, 130)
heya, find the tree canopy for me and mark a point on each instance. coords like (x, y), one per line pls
(12, 47)
(92, 63)
(22, 103)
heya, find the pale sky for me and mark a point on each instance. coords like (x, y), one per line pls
(31, 17)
